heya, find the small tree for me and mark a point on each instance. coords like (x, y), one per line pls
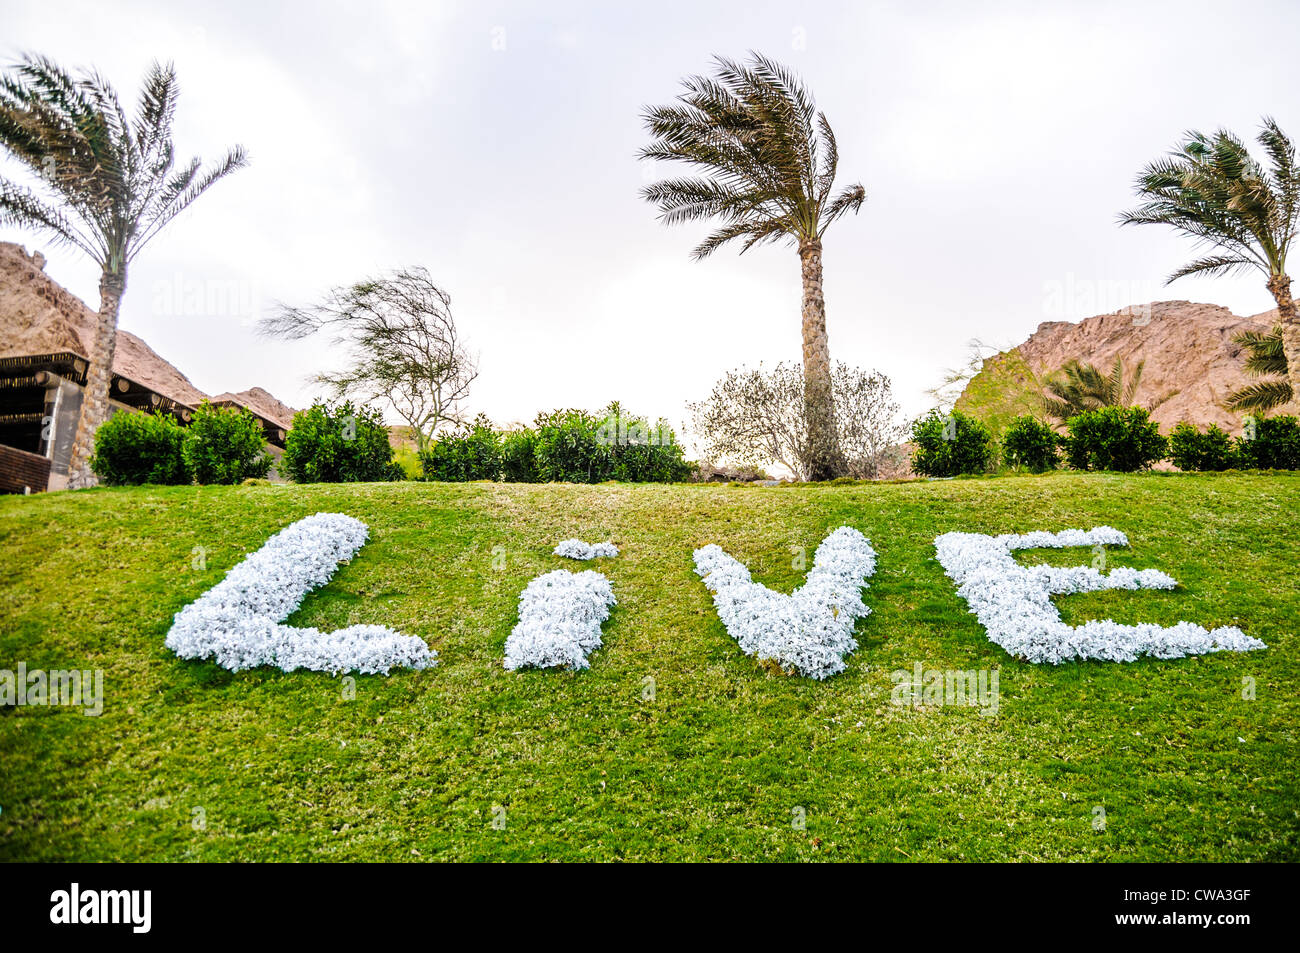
(757, 417)
(225, 445)
(870, 429)
(405, 350)
(338, 444)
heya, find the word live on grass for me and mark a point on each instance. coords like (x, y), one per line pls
(239, 623)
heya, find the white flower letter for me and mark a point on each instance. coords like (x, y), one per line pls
(577, 549)
(238, 621)
(1013, 602)
(559, 620)
(809, 631)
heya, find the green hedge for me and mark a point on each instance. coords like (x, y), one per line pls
(1123, 439)
(1191, 450)
(952, 445)
(472, 452)
(133, 449)
(1270, 443)
(225, 445)
(570, 445)
(1031, 444)
(339, 444)
(221, 445)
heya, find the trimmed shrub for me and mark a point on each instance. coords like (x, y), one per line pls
(1123, 439)
(1031, 444)
(569, 450)
(339, 444)
(570, 445)
(1190, 450)
(471, 453)
(951, 446)
(519, 456)
(1274, 445)
(642, 453)
(225, 445)
(134, 448)
(577, 447)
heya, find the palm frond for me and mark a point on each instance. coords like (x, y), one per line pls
(765, 158)
(109, 177)
(153, 221)
(1213, 190)
(20, 206)
(1213, 265)
(1125, 394)
(1077, 386)
(1261, 397)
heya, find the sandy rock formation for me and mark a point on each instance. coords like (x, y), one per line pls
(1192, 364)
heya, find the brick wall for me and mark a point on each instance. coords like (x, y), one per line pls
(20, 470)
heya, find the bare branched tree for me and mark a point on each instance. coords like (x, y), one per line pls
(757, 417)
(870, 429)
(406, 352)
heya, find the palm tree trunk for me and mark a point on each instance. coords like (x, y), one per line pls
(823, 452)
(1280, 287)
(94, 402)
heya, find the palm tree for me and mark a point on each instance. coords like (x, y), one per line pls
(110, 187)
(1214, 190)
(1077, 387)
(767, 161)
(1265, 359)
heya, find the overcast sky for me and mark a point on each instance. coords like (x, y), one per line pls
(495, 144)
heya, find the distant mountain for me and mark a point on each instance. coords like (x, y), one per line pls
(1192, 364)
(38, 316)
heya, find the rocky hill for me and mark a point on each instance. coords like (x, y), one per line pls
(38, 316)
(1191, 366)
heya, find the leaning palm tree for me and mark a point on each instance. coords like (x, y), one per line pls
(1077, 387)
(1214, 190)
(766, 160)
(1264, 359)
(107, 186)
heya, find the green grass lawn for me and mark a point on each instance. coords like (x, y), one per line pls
(191, 762)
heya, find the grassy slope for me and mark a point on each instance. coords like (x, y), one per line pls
(284, 767)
